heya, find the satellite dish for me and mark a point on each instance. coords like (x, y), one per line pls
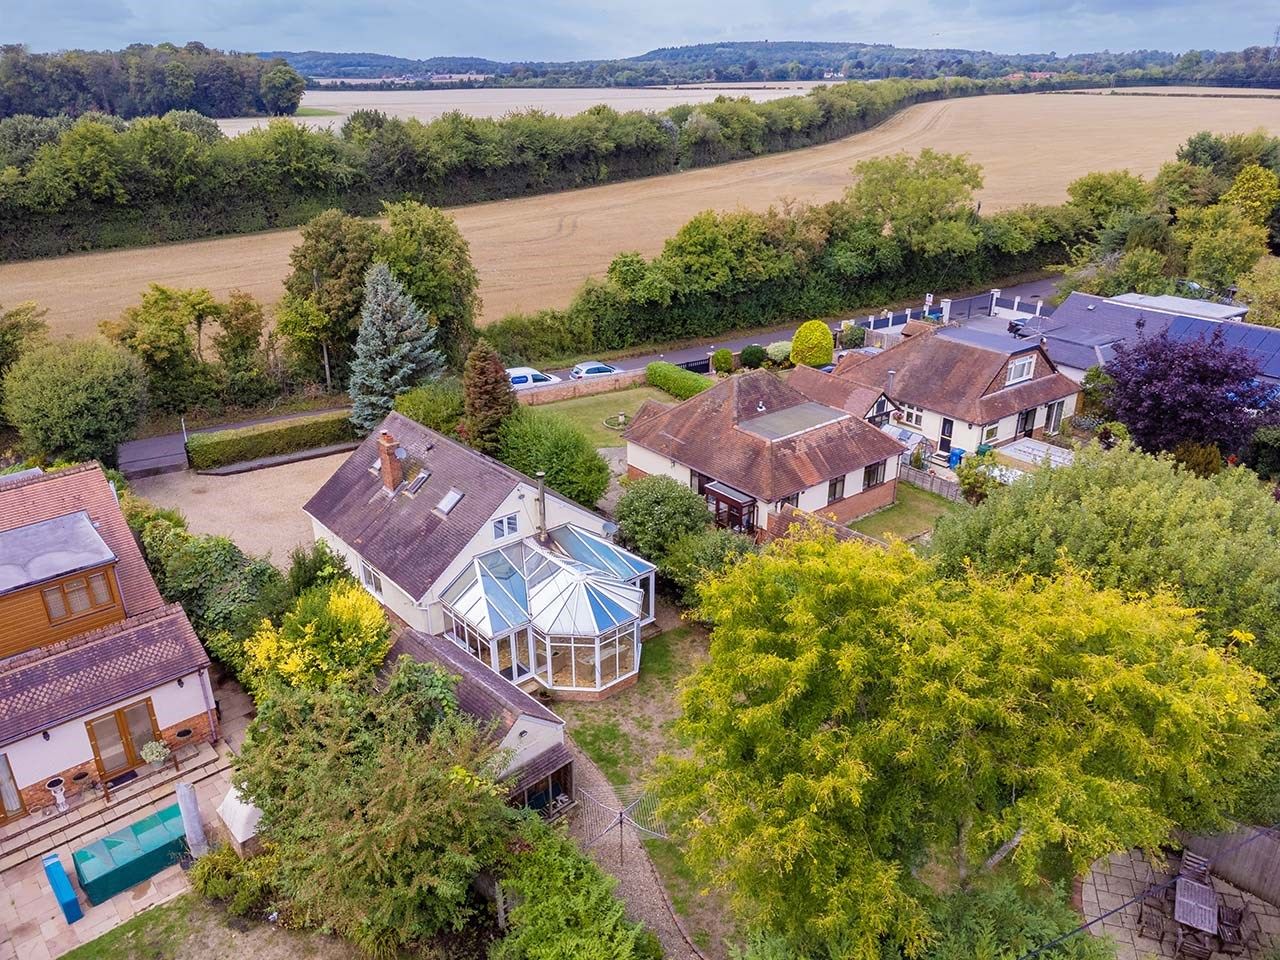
(609, 528)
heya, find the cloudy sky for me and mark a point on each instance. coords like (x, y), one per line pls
(562, 30)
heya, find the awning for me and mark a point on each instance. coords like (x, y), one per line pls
(722, 491)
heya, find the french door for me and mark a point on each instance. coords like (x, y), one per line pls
(118, 738)
(1053, 417)
(944, 441)
(1026, 422)
(11, 805)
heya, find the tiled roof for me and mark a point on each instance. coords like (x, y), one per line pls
(712, 434)
(959, 376)
(543, 765)
(481, 692)
(834, 391)
(51, 685)
(404, 536)
(84, 488)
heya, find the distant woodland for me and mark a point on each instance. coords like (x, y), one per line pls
(144, 80)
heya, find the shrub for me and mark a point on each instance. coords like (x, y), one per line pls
(487, 397)
(656, 511)
(436, 405)
(220, 447)
(1202, 459)
(813, 345)
(853, 336)
(695, 556)
(77, 400)
(530, 441)
(336, 633)
(722, 360)
(244, 887)
(976, 474)
(564, 904)
(677, 381)
(1264, 453)
(753, 356)
(779, 352)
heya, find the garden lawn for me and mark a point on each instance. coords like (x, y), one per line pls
(916, 512)
(588, 413)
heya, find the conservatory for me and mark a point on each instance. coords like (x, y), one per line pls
(564, 610)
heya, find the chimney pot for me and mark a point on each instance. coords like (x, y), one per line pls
(888, 388)
(389, 461)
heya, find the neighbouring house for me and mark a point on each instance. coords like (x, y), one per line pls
(753, 444)
(93, 663)
(456, 544)
(961, 389)
(539, 771)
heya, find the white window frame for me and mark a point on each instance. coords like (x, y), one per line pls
(912, 416)
(507, 526)
(990, 432)
(371, 579)
(1016, 368)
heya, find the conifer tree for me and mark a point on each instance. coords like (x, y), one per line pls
(394, 349)
(487, 396)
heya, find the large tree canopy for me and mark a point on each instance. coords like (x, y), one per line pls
(925, 201)
(859, 713)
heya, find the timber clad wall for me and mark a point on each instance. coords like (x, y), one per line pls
(24, 620)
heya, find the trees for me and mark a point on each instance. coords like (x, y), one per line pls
(1255, 193)
(75, 401)
(393, 350)
(1102, 195)
(21, 329)
(238, 347)
(1260, 288)
(1170, 391)
(487, 398)
(530, 441)
(335, 634)
(427, 253)
(925, 202)
(1221, 244)
(280, 90)
(436, 405)
(813, 345)
(655, 511)
(858, 710)
(692, 557)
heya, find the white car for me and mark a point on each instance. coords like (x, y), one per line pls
(589, 369)
(522, 378)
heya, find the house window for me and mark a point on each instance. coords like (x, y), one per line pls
(505, 527)
(989, 432)
(835, 490)
(794, 500)
(914, 416)
(75, 598)
(698, 482)
(1021, 369)
(371, 578)
(873, 475)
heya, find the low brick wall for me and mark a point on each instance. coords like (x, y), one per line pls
(581, 388)
(860, 504)
(781, 521)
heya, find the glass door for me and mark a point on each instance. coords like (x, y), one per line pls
(944, 441)
(10, 799)
(118, 738)
(1053, 421)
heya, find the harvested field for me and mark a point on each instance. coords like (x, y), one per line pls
(535, 252)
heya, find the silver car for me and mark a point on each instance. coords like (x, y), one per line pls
(590, 369)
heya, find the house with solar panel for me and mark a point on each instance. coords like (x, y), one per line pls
(457, 545)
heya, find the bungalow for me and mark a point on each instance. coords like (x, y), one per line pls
(456, 544)
(962, 389)
(93, 664)
(753, 444)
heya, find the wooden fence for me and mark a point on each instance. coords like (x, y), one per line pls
(1252, 866)
(928, 481)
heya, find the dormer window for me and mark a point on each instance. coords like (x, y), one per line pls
(1021, 369)
(76, 597)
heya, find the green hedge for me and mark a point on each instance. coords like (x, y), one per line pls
(221, 447)
(677, 381)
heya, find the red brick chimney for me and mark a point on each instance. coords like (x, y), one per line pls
(388, 463)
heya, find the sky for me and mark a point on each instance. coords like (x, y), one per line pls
(561, 30)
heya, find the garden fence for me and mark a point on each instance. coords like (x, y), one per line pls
(931, 482)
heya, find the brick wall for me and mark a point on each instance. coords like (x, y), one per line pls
(591, 696)
(581, 388)
(781, 522)
(635, 473)
(860, 504)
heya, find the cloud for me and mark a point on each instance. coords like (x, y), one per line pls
(561, 30)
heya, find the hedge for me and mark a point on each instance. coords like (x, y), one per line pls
(221, 447)
(677, 381)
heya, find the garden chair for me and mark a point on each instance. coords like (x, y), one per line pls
(1190, 944)
(1194, 866)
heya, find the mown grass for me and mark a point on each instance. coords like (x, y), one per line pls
(588, 413)
(155, 934)
(917, 511)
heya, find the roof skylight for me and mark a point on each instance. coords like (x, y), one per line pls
(450, 500)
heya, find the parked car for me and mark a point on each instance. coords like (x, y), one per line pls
(590, 369)
(522, 378)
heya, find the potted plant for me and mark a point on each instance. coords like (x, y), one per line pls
(155, 752)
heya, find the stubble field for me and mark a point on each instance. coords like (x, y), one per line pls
(535, 252)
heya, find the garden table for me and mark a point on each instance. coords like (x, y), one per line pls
(1195, 905)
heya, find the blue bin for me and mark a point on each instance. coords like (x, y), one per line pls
(954, 459)
(61, 885)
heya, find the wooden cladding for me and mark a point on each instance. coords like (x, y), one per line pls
(59, 609)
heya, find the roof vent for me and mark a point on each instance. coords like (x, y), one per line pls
(888, 387)
(759, 406)
(1091, 306)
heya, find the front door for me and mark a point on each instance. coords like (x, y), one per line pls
(118, 738)
(944, 441)
(1026, 422)
(11, 805)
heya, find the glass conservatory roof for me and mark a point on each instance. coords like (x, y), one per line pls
(574, 585)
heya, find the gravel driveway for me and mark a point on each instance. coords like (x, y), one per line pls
(261, 510)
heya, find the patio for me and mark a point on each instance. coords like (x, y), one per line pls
(1139, 934)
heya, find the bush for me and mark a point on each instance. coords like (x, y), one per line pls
(677, 381)
(705, 553)
(779, 352)
(565, 908)
(655, 511)
(76, 400)
(813, 345)
(1202, 459)
(336, 633)
(244, 887)
(530, 441)
(722, 360)
(853, 336)
(436, 405)
(976, 474)
(221, 447)
(1264, 453)
(753, 356)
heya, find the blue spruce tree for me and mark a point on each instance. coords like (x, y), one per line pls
(394, 348)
